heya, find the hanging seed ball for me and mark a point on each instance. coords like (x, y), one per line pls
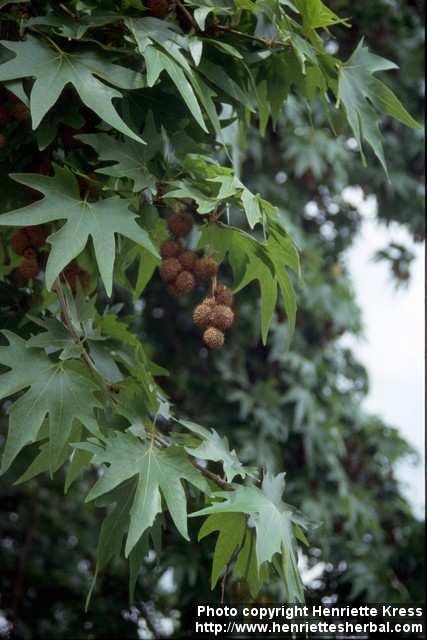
(37, 236)
(205, 268)
(169, 269)
(170, 249)
(209, 301)
(213, 338)
(185, 283)
(19, 242)
(3, 141)
(158, 8)
(188, 260)
(180, 224)
(20, 112)
(224, 296)
(29, 268)
(202, 315)
(30, 253)
(222, 317)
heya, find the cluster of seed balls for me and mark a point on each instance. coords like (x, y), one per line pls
(215, 315)
(182, 269)
(26, 242)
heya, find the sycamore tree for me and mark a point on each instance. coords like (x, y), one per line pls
(123, 126)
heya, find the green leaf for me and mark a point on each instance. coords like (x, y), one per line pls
(316, 14)
(217, 449)
(54, 70)
(251, 207)
(56, 390)
(159, 474)
(246, 566)
(129, 158)
(231, 529)
(272, 520)
(157, 61)
(76, 29)
(99, 220)
(79, 461)
(365, 97)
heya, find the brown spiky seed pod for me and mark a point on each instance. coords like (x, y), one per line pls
(19, 242)
(213, 338)
(211, 302)
(202, 315)
(185, 283)
(20, 112)
(29, 268)
(169, 269)
(30, 254)
(37, 235)
(158, 8)
(180, 224)
(170, 249)
(224, 296)
(222, 317)
(188, 260)
(205, 268)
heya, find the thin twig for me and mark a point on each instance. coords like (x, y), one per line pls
(187, 14)
(67, 10)
(71, 330)
(266, 42)
(212, 476)
(224, 582)
(164, 441)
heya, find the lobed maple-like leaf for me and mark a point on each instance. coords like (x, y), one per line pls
(365, 97)
(57, 390)
(127, 159)
(159, 474)
(272, 520)
(54, 69)
(99, 220)
(213, 447)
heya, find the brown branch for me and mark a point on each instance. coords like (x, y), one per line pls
(212, 476)
(187, 14)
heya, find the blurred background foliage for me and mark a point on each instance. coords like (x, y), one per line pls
(300, 410)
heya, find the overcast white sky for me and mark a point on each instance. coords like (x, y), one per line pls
(393, 347)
